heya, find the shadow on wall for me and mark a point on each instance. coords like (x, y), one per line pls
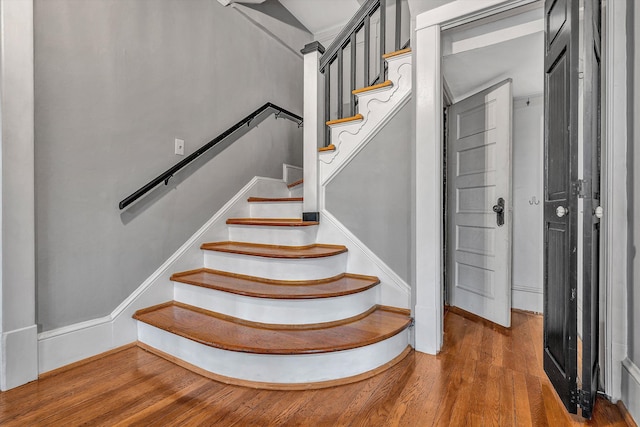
(276, 10)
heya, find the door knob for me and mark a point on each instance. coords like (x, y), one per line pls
(599, 212)
(561, 211)
(499, 210)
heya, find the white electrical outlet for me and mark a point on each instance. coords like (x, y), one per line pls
(179, 147)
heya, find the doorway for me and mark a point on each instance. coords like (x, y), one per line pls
(496, 264)
(429, 264)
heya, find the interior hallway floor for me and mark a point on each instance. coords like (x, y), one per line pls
(483, 376)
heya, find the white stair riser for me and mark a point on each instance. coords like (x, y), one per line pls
(281, 369)
(276, 209)
(287, 236)
(277, 311)
(297, 191)
(277, 268)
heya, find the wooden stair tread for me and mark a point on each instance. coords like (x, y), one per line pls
(275, 251)
(257, 287)
(345, 120)
(273, 199)
(329, 147)
(272, 222)
(228, 333)
(295, 183)
(396, 53)
(387, 83)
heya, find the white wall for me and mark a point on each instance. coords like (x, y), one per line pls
(527, 218)
(115, 83)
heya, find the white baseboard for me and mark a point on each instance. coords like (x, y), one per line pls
(69, 344)
(19, 357)
(631, 388)
(528, 299)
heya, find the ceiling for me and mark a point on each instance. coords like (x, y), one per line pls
(321, 16)
(520, 59)
(479, 56)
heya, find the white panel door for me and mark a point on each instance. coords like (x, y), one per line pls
(478, 175)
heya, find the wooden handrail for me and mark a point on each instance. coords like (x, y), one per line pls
(247, 121)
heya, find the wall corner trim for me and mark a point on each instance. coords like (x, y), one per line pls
(631, 388)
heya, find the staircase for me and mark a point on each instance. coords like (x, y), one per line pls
(273, 308)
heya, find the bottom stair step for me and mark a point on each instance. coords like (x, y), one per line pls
(238, 351)
(229, 333)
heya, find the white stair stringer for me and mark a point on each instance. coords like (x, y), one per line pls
(377, 107)
(394, 291)
(277, 268)
(297, 191)
(278, 311)
(274, 235)
(276, 368)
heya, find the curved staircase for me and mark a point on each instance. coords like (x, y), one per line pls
(272, 308)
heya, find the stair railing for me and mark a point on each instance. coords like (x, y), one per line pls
(318, 82)
(248, 122)
(348, 39)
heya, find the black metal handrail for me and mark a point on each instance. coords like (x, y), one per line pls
(166, 176)
(347, 37)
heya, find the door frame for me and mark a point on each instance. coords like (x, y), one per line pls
(428, 263)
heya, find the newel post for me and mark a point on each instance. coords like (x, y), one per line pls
(313, 130)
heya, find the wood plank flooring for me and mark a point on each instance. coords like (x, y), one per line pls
(482, 377)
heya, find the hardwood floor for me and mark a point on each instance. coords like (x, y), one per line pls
(482, 377)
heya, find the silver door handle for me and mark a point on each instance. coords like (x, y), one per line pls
(599, 212)
(561, 211)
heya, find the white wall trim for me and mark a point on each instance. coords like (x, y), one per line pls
(362, 260)
(614, 257)
(463, 11)
(631, 387)
(313, 130)
(79, 341)
(19, 357)
(527, 298)
(291, 173)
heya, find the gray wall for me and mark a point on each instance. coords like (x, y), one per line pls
(371, 195)
(527, 218)
(116, 81)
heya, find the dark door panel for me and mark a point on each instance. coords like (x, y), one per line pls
(560, 207)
